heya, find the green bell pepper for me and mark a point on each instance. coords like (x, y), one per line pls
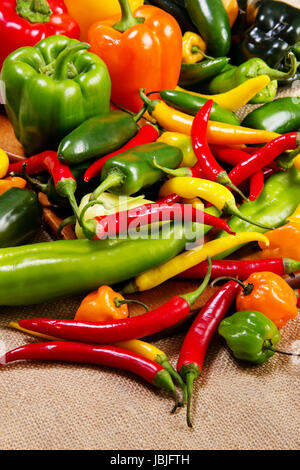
(51, 88)
(250, 335)
(233, 76)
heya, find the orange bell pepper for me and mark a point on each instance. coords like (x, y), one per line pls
(143, 50)
(232, 8)
(11, 182)
(101, 305)
(284, 240)
(269, 294)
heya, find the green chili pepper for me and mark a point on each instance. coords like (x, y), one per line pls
(250, 335)
(37, 273)
(281, 116)
(194, 74)
(212, 22)
(278, 200)
(51, 88)
(133, 170)
(20, 216)
(97, 137)
(234, 76)
(191, 104)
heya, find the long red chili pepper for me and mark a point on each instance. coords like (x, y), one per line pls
(256, 185)
(82, 353)
(147, 134)
(241, 269)
(197, 340)
(113, 224)
(170, 313)
(34, 164)
(264, 157)
(170, 199)
(211, 169)
(230, 155)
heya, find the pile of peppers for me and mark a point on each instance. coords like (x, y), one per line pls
(128, 119)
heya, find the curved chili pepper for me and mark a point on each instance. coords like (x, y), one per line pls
(34, 164)
(230, 155)
(197, 340)
(147, 134)
(113, 224)
(242, 268)
(195, 172)
(110, 356)
(211, 169)
(170, 199)
(177, 308)
(264, 157)
(256, 185)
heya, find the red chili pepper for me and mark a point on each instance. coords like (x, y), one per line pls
(177, 308)
(230, 155)
(197, 340)
(82, 353)
(264, 157)
(241, 269)
(256, 185)
(147, 134)
(34, 164)
(211, 169)
(113, 224)
(170, 199)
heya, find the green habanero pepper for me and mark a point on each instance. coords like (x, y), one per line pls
(133, 170)
(212, 23)
(51, 88)
(281, 116)
(20, 217)
(250, 335)
(191, 104)
(45, 271)
(194, 74)
(98, 136)
(278, 200)
(235, 76)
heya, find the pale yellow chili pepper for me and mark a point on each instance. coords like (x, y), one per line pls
(192, 46)
(184, 143)
(4, 163)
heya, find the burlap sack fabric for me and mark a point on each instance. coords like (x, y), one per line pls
(66, 406)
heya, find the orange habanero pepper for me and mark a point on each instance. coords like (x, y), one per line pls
(269, 294)
(11, 182)
(101, 305)
(143, 50)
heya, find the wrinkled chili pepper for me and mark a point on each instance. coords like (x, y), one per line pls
(198, 338)
(100, 305)
(242, 268)
(177, 308)
(147, 134)
(264, 157)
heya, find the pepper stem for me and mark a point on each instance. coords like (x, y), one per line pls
(113, 179)
(247, 288)
(68, 221)
(35, 11)
(170, 171)
(197, 50)
(33, 181)
(280, 352)
(231, 209)
(119, 303)
(60, 66)
(163, 380)
(149, 103)
(286, 160)
(223, 178)
(192, 297)
(127, 20)
(190, 378)
(164, 361)
(290, 265)
(278, 75)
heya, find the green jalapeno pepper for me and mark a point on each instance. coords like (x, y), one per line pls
(281, 116)
(278, 200)
(20, 216)
(191, 104)
(133, 170)
(250, 335)
(194, 74)
(234, 76)
(212, 22)
(97, 137)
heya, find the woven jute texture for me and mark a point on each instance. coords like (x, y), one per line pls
(67, 406)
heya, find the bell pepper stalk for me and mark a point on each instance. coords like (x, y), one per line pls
(127, 20)
(188, 259)
(35, 11)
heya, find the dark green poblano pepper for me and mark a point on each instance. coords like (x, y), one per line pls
(250, 335)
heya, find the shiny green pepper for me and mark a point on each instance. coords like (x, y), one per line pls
(250, 335)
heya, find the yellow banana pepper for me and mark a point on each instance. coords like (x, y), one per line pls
(188, 259)
(237, 97)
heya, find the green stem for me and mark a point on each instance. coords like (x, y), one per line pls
(192, 297)
(231, 209)
(286, 160)
(60, 66)
(164, 361)
(169, 171)
(196, 50)
(35, 11)
(247, 288)
(127, 20)
(278, 75)
(68, 221)
(149, 103)
(224, 179)
(190, 378)
(119, 303)
(113, 179)
(280, 352)
(290, 265)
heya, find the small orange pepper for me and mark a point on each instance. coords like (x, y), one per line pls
(12, 182)
(269, 294)
(100, 305)
(285, 240)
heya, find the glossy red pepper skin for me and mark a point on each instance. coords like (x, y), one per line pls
(63, 178)
(34, 164)
(114, 224)
(231, 156)
(146, 135)
(82, 353)
(256, 185)
(264, 157)
(241, 269)
(16, 32)
(170, 199)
